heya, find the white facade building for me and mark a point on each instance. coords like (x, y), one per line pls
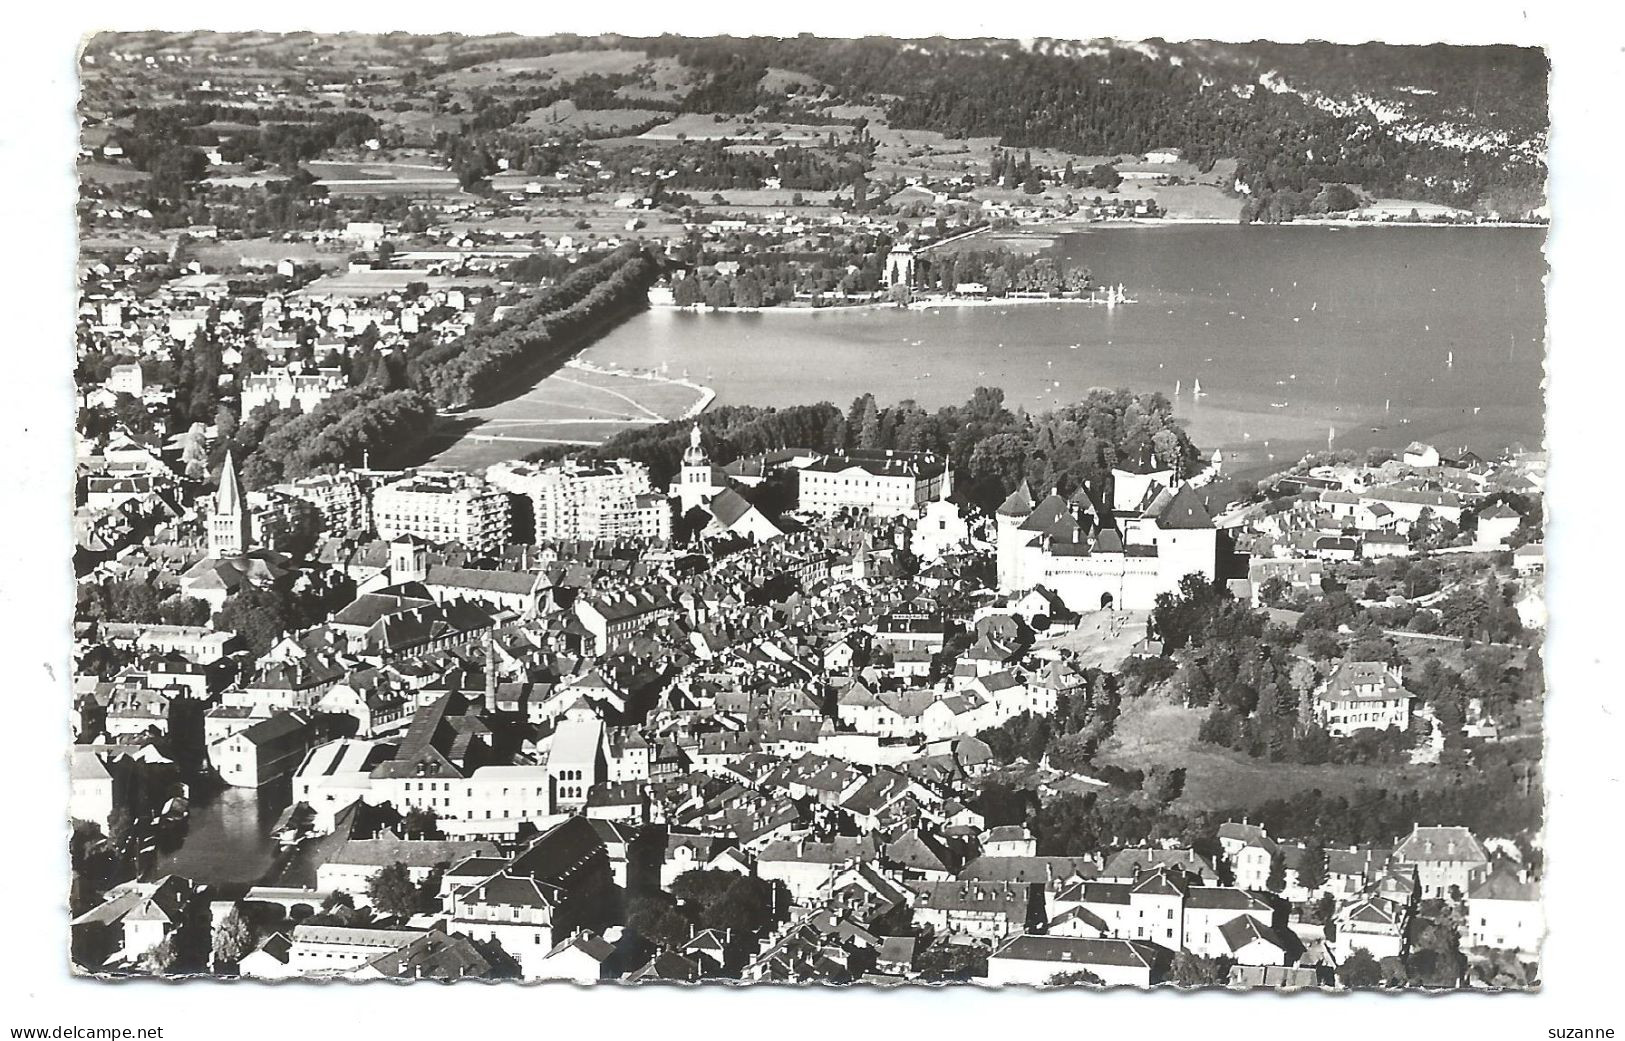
(572, 500)
(885, 484)
(442, 507)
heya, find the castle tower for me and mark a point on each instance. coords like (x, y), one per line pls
(899, 266)
(1007, 537)
(228, 520)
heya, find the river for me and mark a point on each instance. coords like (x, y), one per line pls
(228, 837)
(1378, 336)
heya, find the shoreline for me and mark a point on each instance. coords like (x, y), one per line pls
(707, 395)
(913, 305)
(1067, 226)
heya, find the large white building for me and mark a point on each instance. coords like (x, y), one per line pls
(342, 499)
(283, 387)
(442, 507)
(887, 484)
(1504, 912)
(1155, 536)
(1362, 695)
(572, 500)
(942, 527)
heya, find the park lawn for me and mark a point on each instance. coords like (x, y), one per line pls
(1155, 732)
(569, 405)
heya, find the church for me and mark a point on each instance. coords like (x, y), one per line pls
(233, 559)
(703, 486)
(1156, 533)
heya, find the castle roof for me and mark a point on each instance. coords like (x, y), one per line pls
(1018, 503)
(1182, 509)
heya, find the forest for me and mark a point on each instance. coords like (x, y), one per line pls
(1210, 106)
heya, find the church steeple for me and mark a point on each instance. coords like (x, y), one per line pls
(694, 455)
(698, 480)
(228, 520)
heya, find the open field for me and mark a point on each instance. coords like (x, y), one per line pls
(1102, 639)
(371, 283)
(1034, 239)
(695, 126)
(571, 405)
(1153, 731)
(784, 81)
(264, 251)
(565, 116)
(663, 78)
(1204, 201)
(383, 178)
(603, 221)
(776, 198)
(1400, 209)
(98, 171)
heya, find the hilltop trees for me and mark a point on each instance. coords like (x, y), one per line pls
(1071, 448)
(352, 425)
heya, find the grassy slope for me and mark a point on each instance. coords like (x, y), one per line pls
(1153, 731)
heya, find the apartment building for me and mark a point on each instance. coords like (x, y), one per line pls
(444, 506)
(574, 500)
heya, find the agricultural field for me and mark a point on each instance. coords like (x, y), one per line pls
(784, 81)
(265, 252)
(1153, 731)
(813, 202)
(97, 171)
(372, 283)
(662, 78)
(564, 116)
(379, 178)
(603, 222)
(742, 130)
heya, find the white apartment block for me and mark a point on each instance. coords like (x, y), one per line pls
(572, 500)
(443, 506)
(342, 499)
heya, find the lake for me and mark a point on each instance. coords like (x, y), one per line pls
(1383, 335)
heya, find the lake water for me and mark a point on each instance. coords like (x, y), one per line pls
(1384, 335)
